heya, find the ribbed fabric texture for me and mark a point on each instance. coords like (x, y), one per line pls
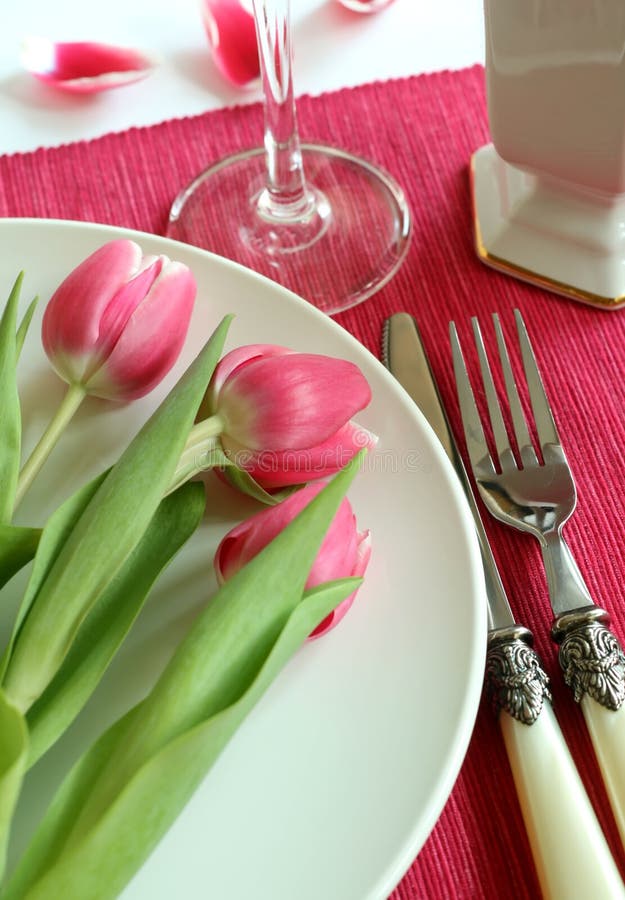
(423, 130)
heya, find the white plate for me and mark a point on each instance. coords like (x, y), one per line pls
(332, 784)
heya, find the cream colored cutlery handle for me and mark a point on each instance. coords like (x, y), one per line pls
(570, 852)
(607, 732)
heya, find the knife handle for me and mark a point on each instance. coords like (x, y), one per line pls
(570, 852)
(593, 665)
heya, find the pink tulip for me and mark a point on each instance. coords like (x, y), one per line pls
(113, 328)
(118, 322)
(344, 552)
(231, 34)
(285, 417)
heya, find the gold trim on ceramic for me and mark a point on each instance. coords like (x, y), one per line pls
(543, 281)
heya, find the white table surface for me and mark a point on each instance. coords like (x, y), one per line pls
(333, 48)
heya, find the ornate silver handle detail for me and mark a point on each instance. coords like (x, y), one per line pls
(590, 656)
(515, 680)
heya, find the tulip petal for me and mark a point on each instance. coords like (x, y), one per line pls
(122, 306)
(275, 469)
(246, 540)
(364, 553)
(339, 550)
(151, 340)
(333, 618)
(291, 401)
(231, 34)
(229, 364)
(84, 67)
(71, 322)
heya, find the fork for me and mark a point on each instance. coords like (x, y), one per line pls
(537, 494)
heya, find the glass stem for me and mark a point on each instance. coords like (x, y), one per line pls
(286, 196)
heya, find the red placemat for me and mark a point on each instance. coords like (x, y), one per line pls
(422, 130)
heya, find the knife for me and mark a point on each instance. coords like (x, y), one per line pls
(570, 852)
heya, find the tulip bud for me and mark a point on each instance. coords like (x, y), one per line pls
(285, 417)
(113, 328)
(118, 322)
(344, 552)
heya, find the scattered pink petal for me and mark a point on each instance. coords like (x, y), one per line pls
(365, 6)
(232, 36)
(84, 67)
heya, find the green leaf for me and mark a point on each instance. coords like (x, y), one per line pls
(49, 839)
(106, 533)
(10, 417)
(126, 791)
(243, 481)
(17, 547)
(57, 529)
(98, 863)
(112, 617)
(13, 752)
(22, 331)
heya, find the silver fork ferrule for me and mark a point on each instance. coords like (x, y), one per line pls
(590, 656)
(515, 680)
(575, 618)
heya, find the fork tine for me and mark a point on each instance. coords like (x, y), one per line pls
(519, 422)
(477, 447)
(500, 433)
(545, 425)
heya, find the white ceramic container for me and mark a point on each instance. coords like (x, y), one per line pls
(549, 192)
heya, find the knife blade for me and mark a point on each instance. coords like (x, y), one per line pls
(404, 356)
(570, 852)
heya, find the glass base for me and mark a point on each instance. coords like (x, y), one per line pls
(343, 247)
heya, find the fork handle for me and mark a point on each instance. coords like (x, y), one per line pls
(570, 853)
(593, 664)
(607, 733)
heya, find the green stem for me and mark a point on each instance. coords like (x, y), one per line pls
(207, 428)
(197, 455)
(74, 396)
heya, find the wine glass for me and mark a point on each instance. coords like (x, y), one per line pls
(330, 226)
